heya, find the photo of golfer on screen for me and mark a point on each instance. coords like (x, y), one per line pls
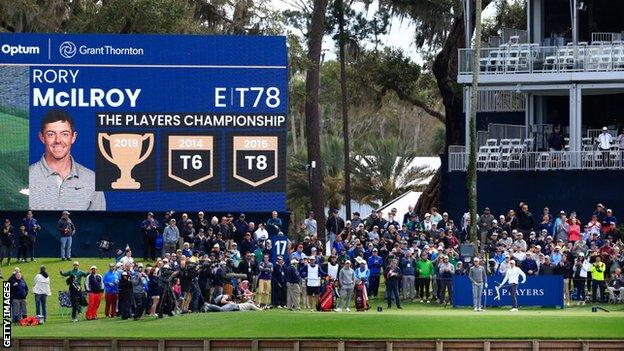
(57, 181)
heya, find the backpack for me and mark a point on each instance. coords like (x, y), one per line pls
(160, 241)
(29, 321)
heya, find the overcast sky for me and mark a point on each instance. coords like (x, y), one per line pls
(401, 31)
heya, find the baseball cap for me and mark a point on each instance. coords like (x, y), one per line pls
(66, 212)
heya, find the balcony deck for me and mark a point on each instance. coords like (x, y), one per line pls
(531, 63)
(517, 159)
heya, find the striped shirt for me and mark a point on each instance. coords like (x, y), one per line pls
(47, 191)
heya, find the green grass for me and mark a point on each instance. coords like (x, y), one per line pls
(14, 161)
(415, 321)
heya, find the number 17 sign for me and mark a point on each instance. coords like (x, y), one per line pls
(191, 158)
(255, 159)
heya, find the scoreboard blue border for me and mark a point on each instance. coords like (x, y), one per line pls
(176, 74)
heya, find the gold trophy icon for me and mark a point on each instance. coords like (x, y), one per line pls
(126, 152)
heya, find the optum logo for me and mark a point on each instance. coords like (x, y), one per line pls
(19, 49)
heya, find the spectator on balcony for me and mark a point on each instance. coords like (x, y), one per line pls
(620, 139)
(556, 140)
(604, 140)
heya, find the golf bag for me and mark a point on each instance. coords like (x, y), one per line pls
(327, 298)
(361, 297)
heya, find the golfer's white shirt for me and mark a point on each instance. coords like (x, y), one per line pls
(512, 276)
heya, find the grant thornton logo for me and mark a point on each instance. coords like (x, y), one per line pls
(67, 49)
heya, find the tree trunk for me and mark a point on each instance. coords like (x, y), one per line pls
(445, 71)
(471, 176)
(293, 133)
(313, 127)
(345, 114)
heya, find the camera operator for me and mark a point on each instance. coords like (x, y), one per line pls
(188, 279)
(204, 280)
(139, 291)
(167, 297)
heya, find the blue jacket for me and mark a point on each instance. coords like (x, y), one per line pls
(31, 225)
(408, 266)
(111, 282)
(19, 289)
(292, 275)
(529, 265)
(374, 264)
(362, 275)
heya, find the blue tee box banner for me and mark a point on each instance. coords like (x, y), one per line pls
(544, 291)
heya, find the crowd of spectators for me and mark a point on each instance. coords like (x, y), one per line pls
(202, 265)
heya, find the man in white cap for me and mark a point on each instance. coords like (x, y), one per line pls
(95, 286)
(293, 285)
(513, 278)
(478, 278)
(604, 141)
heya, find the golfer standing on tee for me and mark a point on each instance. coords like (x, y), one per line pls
(512, 276)
(478, 279)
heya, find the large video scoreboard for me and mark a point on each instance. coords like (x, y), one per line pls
(153, 122)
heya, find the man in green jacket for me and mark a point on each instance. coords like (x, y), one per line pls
(76, 272)
(425, 271)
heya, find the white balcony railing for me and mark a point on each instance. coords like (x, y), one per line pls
(532, 58)
(518, 160)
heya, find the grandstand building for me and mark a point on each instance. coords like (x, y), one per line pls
(566, 68)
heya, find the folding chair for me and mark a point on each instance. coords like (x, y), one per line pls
(64, 303)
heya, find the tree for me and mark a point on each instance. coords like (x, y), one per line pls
(139, 16)
(383, 171)
(509, 14)
(315, 39)
(471, 176)
(345, 109)
(439, 26)
(298, 192)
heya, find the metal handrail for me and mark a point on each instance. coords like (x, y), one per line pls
(532, 58)
(497, 159)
